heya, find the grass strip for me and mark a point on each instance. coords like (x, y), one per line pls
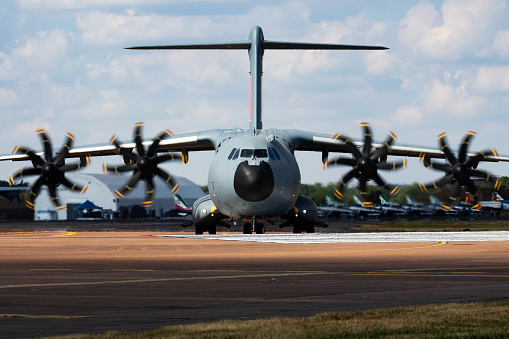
(456, 320)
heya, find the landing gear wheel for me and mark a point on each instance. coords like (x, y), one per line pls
(310, 229)
(297, 229)
(198, 230)
(212, 229)
(247, 228)
(260, 228)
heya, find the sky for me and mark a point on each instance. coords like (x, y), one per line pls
(63, 67)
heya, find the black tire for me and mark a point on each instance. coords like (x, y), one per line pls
(260, 228)
(247, 228)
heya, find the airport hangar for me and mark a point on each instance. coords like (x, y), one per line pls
(100, 193)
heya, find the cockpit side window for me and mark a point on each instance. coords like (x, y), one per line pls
(276, 154)
(236, 155)
(246, 153)
(271, 155)
(260, 153)
(232, 153)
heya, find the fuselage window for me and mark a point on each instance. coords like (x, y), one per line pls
(236, 155)
(260, 153)
(271, 154)
(276, 154)
(246, 153)
(232, 153)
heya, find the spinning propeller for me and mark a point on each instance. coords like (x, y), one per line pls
(50, 170)
(365, 165)
(460, 171)
(144, 165)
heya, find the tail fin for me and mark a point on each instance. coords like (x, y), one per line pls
(469, 198)
(329, 201)
(410, 200)
(497, 196)
(434, 200)
(357, 200)
(179, 201)
(383, 199)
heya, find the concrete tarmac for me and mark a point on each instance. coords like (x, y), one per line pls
(61, 280)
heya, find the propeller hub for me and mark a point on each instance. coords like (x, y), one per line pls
(144, 164)
(365, 164)
(49, 169)
(459, 170)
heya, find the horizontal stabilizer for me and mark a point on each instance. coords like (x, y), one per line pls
(265, 45)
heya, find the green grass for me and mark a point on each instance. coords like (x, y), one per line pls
(436, 226)
(458, 320)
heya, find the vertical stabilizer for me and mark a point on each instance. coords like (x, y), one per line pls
(256, 45)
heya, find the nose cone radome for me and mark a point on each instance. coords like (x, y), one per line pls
(253, 182)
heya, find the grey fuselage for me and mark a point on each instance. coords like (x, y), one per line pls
(253, 175)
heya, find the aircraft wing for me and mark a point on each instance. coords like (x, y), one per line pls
(198, 141)
(319, 142)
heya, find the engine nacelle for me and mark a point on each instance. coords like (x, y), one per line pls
(206, 216)
(303, 216)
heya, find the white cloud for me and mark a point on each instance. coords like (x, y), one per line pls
(492, 79)
(80, 4)
(407, 116)
(501, 44)
(7, 97)
(460, 30)
(45, 50)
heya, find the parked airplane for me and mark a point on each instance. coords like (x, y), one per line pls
(181, 208)
(419, 209)
(496, 204)
(391, 208)
(254, 175)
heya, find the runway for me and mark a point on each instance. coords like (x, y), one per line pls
(60, 282)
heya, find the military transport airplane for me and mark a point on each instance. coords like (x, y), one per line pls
(254, 176)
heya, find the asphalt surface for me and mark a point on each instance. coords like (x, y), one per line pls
(61, 278)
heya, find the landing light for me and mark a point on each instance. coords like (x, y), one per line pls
(204, 211)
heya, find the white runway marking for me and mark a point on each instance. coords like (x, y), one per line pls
(322, 238)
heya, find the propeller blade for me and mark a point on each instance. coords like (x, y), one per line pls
(382, 151)
(342, 161)
(34, 192)
(464, 145)
(119, 169)
(342, 183)
(448, 154)
(480, 156)
(153, 148)
(166, 157)
(137, 138)
(54, 198)
(455, 194)
(351, 146)
(130, 185)
(24, 172)
(72, 186)
(65, 149)
(390, 189)
(367, 138)
(169, 180)
(48, 149)
(437, 185)
(31, 155)
(149, 200)
(391, 166)
(440, 167)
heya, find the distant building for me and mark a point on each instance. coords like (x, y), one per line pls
(100, 192)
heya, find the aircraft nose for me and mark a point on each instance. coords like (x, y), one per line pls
(253, 182)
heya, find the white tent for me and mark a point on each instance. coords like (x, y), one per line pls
(100, 192)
